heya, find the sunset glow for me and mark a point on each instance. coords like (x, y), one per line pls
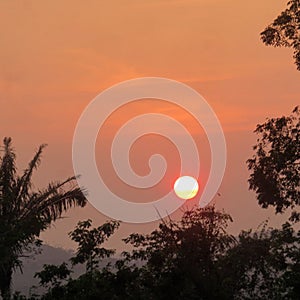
(51, 70)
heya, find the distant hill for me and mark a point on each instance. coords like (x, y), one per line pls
(50, 255)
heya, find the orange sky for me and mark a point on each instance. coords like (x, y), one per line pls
(56, 56)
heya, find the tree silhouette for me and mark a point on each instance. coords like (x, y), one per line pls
(90, 241)
(193, 258)
(53, 275)
(264, 264)
(24, 213)
(95, 283)
(285, 30)
(275, 165)
(182, 257)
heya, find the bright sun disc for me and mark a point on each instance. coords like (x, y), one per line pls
(186, 187)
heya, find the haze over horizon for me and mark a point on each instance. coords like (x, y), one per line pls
(55, 57)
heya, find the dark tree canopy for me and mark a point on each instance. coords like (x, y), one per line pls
(285, 30)
(264, 264)
(185, 254)
(90, 240)
(192, 258)
(275, 165)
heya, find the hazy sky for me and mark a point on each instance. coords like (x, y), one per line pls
(56, 56)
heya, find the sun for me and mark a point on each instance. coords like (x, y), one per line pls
(186, 187)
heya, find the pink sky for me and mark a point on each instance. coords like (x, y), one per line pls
(56, 56)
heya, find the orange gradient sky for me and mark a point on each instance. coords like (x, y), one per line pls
(56, 56)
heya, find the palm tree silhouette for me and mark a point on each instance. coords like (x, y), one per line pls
(24, 213)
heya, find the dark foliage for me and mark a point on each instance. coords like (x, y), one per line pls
(89, 241)
(285, 30)
(275, 166)
(195, 258)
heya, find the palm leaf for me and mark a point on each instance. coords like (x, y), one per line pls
(24, 182)
(24, 213)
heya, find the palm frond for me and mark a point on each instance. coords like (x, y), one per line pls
(24, 182)
(24, 213)
(7, 177)
(50, 196)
